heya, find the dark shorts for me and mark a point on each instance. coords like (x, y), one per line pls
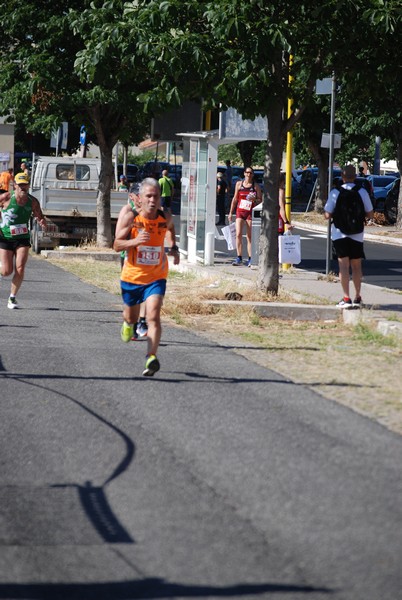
(136, 294)
(346, 247)
(166, 201)
(12, 245)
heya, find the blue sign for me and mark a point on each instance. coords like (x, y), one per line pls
(83, 135)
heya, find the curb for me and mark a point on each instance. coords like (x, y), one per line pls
(103, 256)
(384, 326)
(285, 310)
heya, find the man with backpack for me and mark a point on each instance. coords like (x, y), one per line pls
(349, 207)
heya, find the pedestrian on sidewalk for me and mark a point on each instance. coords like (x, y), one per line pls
(247, 194)
(16, 211)
(143, 278)
(221, 187)
(167, 190)
(348, 207)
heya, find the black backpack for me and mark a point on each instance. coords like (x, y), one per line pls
(349, 214)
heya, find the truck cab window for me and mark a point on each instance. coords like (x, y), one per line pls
(66, 172)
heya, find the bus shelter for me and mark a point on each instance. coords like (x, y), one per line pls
(198, 184)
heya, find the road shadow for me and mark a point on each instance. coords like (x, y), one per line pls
(147, 588)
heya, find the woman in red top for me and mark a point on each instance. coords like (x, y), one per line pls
(247, 194)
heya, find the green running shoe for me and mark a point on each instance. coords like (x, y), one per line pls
(126, 332)
(12, 302)
(151, 366)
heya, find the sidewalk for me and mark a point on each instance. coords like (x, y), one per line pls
(308, 283)
(315, 297)
(309, 288)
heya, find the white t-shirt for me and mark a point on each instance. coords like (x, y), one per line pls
(336, 234)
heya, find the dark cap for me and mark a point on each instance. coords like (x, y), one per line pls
(134, 188)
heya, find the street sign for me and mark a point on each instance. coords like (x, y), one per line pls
(326, 140)
(83, 135)
(59, 138)
(323, 86)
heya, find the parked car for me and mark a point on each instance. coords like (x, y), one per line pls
(363, 182)
(304, 181)
(379, 182)
(380, 193)
(174, 172)
(132, 174)
(391, 202)
(153, 169)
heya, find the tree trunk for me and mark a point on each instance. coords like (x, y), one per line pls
(268, 265)
(103, 126)
(103, 218)
(321, 190)
(246, 150)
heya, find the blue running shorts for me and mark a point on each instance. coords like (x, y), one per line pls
(136, 294)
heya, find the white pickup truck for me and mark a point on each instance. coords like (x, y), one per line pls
(67, 191)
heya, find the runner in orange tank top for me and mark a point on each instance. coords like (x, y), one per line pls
(143, 278)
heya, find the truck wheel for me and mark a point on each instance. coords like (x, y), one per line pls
(35, 239)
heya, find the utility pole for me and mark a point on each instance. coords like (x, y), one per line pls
(330, 167)
(289, 154)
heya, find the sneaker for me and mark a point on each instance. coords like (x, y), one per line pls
(134, 337)
(142, 328)
(237, 261)
(151, 366)
(12, 302)
(248, 262)
(357, 302)
(345, 303)
(126, 332)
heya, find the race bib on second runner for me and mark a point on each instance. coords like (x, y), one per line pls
(245, 204)
(18, 229)
(148, 255)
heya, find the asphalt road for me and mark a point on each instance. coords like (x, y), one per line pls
(217, 478)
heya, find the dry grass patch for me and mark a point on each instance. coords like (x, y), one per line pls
(104, 275)
(356, 366)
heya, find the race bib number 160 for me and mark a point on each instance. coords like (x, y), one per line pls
(148, 255)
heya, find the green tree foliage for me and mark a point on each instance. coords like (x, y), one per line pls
(67, 62)
(111, 62)
(229, 152)
(238, 61)
(369, 95)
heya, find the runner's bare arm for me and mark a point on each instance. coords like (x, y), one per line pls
(234, 201)
(37, 213)
(5, 197)
(124, 224)
(123, 228)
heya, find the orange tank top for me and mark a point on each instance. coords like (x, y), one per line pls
(147, 263)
